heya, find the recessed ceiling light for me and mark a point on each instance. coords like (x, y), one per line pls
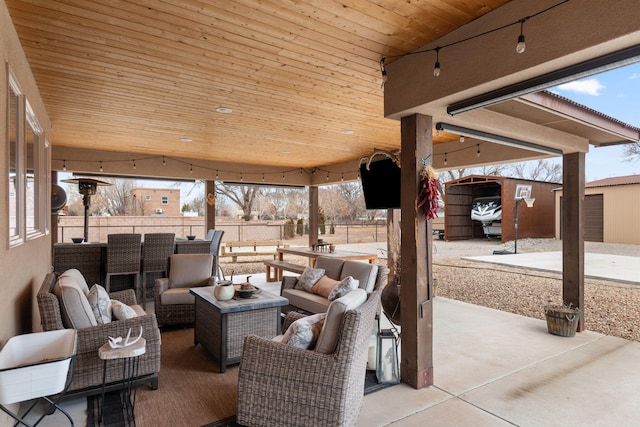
(224, 110)
(347, 132)
(186, 139)
(286, 152)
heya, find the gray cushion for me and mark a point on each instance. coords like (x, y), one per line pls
(303, 333)
(177, 296)
(328, 338)
(308, 278)
(100, 304)
(190, 270)
(71, 290)
(345, 286)
(309, 302)
(366, 273)
(332, 266)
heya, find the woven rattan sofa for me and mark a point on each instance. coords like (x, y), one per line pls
(282, 385)
(87, 379)
(371, 278)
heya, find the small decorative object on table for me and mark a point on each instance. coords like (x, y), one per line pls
(77, 239)
(224, 290)
(246, 289)
(562, 320)
(191, 237)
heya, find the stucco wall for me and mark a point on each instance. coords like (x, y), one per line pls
(23, 267)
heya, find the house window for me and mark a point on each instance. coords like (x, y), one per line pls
(27, 168)
(165, 200)
(147, 197)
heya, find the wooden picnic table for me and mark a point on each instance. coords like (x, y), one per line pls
(313, 255)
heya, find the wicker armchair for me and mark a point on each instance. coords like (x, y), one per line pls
(88, 372)
(282, 385)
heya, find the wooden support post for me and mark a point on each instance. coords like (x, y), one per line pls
(572, 232)
(416, 305)
(210, 210)
(313, 215)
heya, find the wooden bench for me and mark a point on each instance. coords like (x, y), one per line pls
(278, 269)
(250, 248)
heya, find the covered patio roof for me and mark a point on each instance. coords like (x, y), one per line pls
(141, 82)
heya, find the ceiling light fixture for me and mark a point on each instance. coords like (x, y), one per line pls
(224, 110)
(347, 132)
(184, 139)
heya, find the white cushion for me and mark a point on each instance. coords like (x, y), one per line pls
(366, 273)
(122, 311)
(345, 286)
(303, 333)
(308, 302)
(100, 304)
(71, 290)
(308, 278)
(328, 338)
(175, 296)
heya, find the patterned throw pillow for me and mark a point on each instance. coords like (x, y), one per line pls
(308, 278)
(122, 311)
(303, 333)
(345, 286)
(100, 304)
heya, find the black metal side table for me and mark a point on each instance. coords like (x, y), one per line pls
(130, 357)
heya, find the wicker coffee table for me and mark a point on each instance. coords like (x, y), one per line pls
(220, 326)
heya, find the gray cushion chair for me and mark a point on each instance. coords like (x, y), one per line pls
(63, 304)
(174, 304)
(283, 385)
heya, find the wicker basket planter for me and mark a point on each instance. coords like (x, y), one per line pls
(562, 320)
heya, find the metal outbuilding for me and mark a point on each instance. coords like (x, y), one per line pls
(537, 221)
(611, 207)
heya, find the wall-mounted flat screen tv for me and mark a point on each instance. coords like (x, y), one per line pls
(381, 184)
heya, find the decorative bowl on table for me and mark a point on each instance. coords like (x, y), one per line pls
(191, 237)
(77, 239)
(245, 293)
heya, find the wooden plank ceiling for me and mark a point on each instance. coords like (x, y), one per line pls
(136, 76)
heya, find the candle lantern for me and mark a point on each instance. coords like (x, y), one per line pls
(387, 369)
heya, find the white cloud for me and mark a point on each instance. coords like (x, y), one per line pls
(634, 76)
(588, 87)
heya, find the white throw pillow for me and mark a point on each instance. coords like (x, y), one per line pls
(308, 278)
(122, 311)
(303, 333)
(345, 286)
(100, 304)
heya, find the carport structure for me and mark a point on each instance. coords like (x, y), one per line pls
(145, 88)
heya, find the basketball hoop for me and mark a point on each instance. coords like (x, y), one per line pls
(529, 201)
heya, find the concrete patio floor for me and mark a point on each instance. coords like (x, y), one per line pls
(493, 368)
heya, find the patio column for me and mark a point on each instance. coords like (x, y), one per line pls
(416, 305)
(572, 232)
(210, 210)
(313, 215)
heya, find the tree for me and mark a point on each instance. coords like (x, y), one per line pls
(118, 198)
(632, 152)
(351, 193)
(539, 170)
(242, 195)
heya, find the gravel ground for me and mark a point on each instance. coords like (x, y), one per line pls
(611, 308)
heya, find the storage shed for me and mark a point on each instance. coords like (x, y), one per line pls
(537, 221)
(611, 207)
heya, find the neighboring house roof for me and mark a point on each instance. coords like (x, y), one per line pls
(617, 180)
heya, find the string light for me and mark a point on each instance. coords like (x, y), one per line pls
(164, 161)
(283, 177)
(327, 176)
(64, 165)
(134, 164)
(190, 168)
(342, 177)
(478, 152)
(445, 159)
(217, 175)
(241, 178)
(520, 46)
(262, 177)
(101, 166)
(461, 138)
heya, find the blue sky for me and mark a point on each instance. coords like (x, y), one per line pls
(617, 94)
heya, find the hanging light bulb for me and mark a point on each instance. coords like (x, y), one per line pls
(461, 138)
(64, 165)
(101, 166)
(217, 176)
(521, 46)
(445, 159)
(134, 164)
(327, 176)
(164, 161)
(342, 177)
(436, 67)
(283, 176)
(478, 152)
(190, 168)
(262, 177)
(241, 178)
